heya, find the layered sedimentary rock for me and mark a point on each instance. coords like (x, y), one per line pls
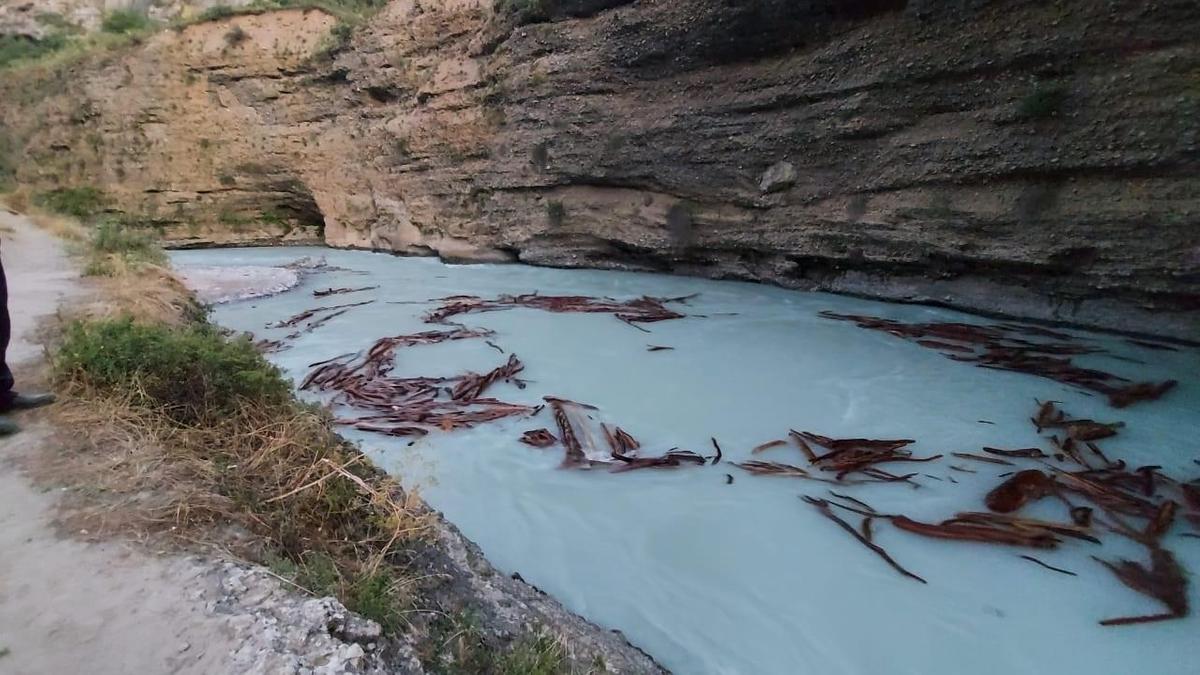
(1023, 157)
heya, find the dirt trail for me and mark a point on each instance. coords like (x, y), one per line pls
(68, 606)
(72, 606)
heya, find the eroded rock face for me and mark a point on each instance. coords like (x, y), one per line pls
(1006, 156)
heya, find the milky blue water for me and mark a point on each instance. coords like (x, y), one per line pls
(711, 577)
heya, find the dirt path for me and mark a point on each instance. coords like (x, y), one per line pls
(72, 606)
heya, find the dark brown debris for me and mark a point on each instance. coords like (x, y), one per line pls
(1032, 453)
(307, 314)
(340, 291)
(640, 310)
(981, 458)
(539, 438)
(863, 537)
(1164, 580)
(963, 531)
(1001, 347)
(1049, 567)
(472, 385)
(670, 460)
(847, 456)
(1022, 488)
(767, 446)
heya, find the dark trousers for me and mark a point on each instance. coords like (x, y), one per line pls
(6, 376)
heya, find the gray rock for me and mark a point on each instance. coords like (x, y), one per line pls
(781, 176)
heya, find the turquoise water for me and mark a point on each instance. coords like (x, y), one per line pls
(712, 577)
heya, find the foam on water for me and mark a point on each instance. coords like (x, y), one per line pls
(711, 577)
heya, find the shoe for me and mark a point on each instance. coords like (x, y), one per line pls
(29, 401)
(8, 427)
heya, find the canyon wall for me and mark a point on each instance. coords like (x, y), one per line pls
(1031, 158)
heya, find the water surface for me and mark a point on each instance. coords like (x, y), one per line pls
(711, 577)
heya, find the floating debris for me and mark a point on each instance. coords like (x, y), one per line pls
(1164, 581)
(998, 347)
(472, 385)
(863, 537)
(640, 310)
(539, 438)
(340, 291)
(981, 458)
(670, 460)
(658, 348)
(1029, 453)
(767, 446)
(403, 404)
(1049, 567)
(307, 314)
(772, 469)
(1024, 487)
(858, 455)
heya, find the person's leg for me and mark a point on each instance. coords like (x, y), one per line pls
(9, 399)
(7, 426)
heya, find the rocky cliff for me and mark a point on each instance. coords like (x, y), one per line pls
(1028, 157)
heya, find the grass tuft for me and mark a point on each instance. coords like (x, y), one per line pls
(80, 202)
(192, 375)
(125, 21)
(541, 654)
(17, 48)
(116, 249)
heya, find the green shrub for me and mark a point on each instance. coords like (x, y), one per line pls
(236, 36)
(15, 48)
(193, 374)
(1045, 100)
(114, 239)
(122, 21)
(216, 12)
(80, 202)
(374, 596)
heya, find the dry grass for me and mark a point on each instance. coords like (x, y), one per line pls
(19, 199)
(63, 227)
(147, 293)
(280, 475)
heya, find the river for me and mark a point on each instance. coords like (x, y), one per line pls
(712, 569)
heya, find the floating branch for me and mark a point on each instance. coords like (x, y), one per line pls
(670, 460)
(981, 458)
(307, 314)
(1049, 567)
(864, 537)
(767, 446)
(640, 310)
(340, 291)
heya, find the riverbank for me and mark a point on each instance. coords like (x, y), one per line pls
(454, 613)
